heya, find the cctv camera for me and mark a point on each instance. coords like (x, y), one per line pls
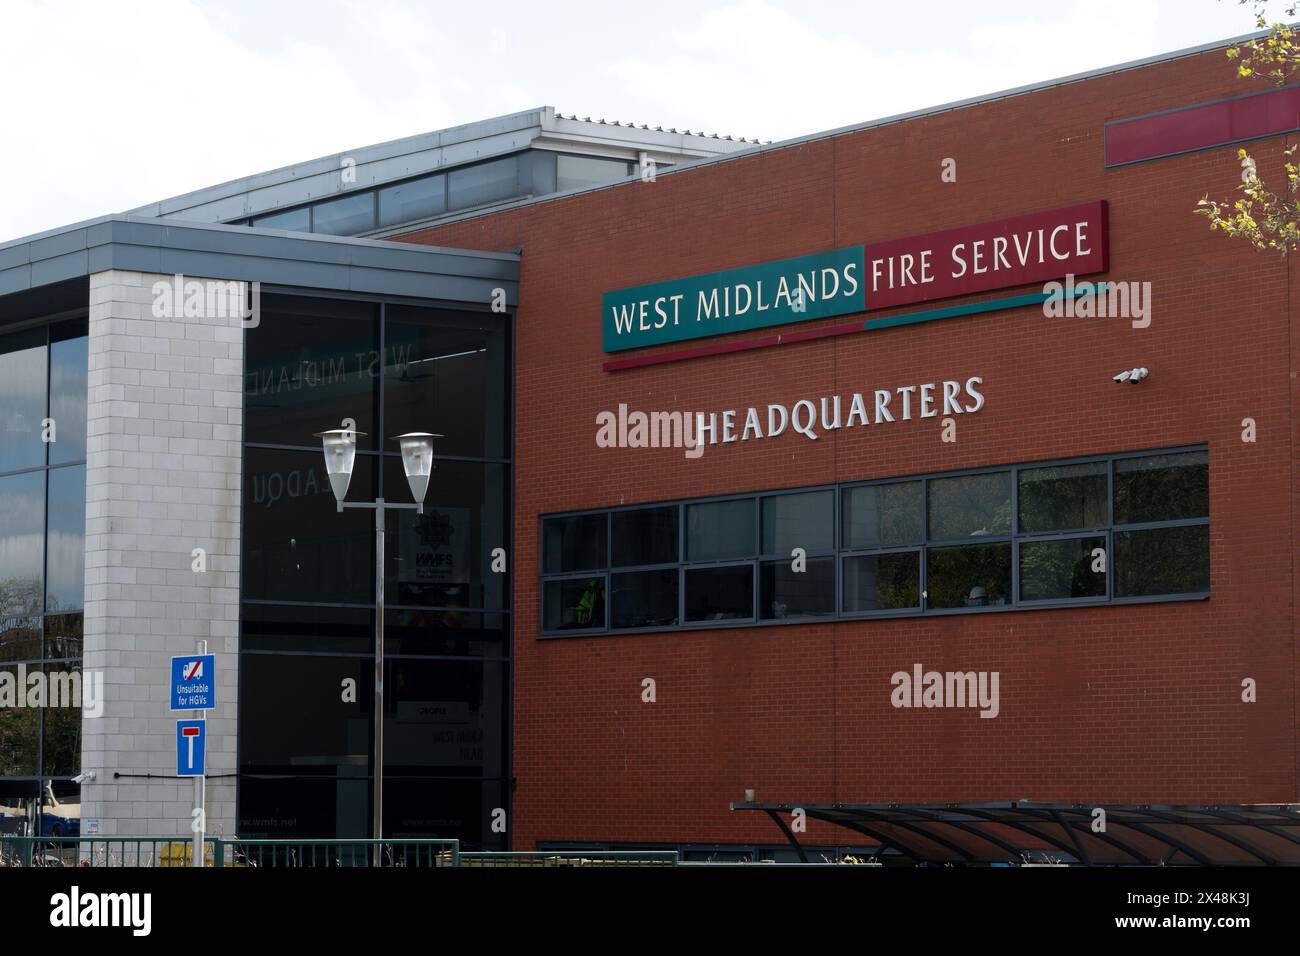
(1124, 376)
(1137, 375)
(84, 777)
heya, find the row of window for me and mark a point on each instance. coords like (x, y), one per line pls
(44, 740)
(1117, 528)
(43, 384)
(522, 174)
(42, 472)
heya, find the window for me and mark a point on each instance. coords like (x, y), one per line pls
(1059, 569)
(884, 516)
(443, 558)
(297, 546)
(418, 199)
(1162, 534)
(882, 582)
(1033, 536)
(977, 575)
(450, 370)
(22, 543)
(575, 604)
(787, 593)
(577, 172)
(574, 544)
(644, 598)
(68, 370)
(1062, 497)
(309, 364)
(22, 399)
(1174, 560)
(1162, 488)
(292, 220)
(483, 183)
(308, 569)
(804, 521)
(647, 536)
(720, 593)
(20, 639)
(43, 392)
(970, 506)
(719, 530)
(345, 216)
(65, 539)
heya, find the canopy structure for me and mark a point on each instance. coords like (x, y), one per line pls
(1020, 832)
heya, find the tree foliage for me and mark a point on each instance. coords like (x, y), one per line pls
(1268, 220)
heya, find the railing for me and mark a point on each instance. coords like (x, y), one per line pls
(336, 853)
(101, 851)
(124, 851)
(572, 858)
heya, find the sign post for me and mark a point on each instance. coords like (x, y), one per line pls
(193, 687)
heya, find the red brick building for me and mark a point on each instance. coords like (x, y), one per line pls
(1110, 695)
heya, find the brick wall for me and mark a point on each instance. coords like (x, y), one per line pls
(1111, 704)
(163, 465)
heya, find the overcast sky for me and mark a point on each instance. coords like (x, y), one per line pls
(111, 104)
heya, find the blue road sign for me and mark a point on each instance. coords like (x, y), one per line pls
(194, 682)
(191, 743)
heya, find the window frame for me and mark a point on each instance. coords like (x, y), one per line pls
(840, 552)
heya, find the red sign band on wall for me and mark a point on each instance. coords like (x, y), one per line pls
(1205, 125)
(1028, 249)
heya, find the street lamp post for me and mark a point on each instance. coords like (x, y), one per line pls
(340, 447)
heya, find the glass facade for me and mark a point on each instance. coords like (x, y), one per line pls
(43, 377)
(1127, 527)
(463, 187)
(308, 616)
(532, 172)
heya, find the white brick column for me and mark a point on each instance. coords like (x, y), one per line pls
(163, 474)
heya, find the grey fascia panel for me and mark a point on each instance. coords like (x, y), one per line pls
(17, 279)
(57, 268)
(444, 262)
(278, 258)
(135, 258)
(99, 258)
(413, 284)
(98, 233)
(59, 244)
(11, 257)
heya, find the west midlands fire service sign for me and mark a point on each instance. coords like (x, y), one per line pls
(194, 682)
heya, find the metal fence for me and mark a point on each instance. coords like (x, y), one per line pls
(106, 851)
(338, 853)
(572, 858)
(103, 851)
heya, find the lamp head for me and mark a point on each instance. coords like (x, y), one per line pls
(340, 447)
(417, 462)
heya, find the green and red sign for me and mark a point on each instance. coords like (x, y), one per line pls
(1035, 248)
